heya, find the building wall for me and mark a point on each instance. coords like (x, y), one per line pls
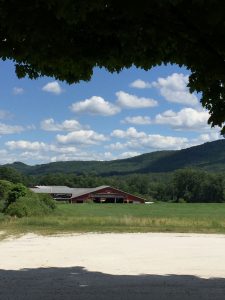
(128, 198)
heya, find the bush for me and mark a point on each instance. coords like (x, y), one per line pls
(182, 200)
(47, 200)
(5, 188)
(18, 190)
(31, 205)
(2, 205)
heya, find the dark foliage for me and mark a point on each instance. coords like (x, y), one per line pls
(17, 191)
(11, 174)
(47, 201)
(67, 39)
(197, 186)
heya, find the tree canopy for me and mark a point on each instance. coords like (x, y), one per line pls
(67, 39)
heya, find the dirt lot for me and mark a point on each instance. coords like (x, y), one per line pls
(113, 266)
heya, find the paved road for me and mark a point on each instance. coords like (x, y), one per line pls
(76, 283)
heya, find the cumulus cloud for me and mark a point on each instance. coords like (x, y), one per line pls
(6, 157)
(26, 145)
(53, 87)
(10, 129)
(138, 139)
(157, 141)
(140, 84)
(81, 137)
(128, 154)
(185, 119)
(67, 125)
(35, 156)
(29, 147)
(50, 153)
(95, 106)
(83, 156)
(129, 133)
(137, 120)
(174, 89)
(208, 137)
(40, 156)
(132, 101)
(18, 91)
(116, 146)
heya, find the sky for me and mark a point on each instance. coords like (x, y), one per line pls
(112, 116)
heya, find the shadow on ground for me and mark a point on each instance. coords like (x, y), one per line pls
(78, 283)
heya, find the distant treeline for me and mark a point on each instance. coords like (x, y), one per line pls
(185, 185)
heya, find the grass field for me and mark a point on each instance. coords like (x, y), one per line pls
(158, 217)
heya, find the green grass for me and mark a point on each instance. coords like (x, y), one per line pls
(158, 217)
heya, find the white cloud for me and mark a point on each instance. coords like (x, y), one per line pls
(30, 147)
(95, 106)
(53, 87)
(137, 120)
(83, 156)
(157, 141)
(142, 140)
(174, 89)
(81, 137)
(6, 157)
(26, 145)
(134, 144)
(185, 119)
(132, 101)
(129, 133)
(67, 125)
(10, 129)
(208, 137)
(36, 156)
(129, 154)
(140, 84)
(64, 150)
(116, 146)
(18, 90)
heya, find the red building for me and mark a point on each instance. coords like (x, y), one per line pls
(101, 194)
(105, 194)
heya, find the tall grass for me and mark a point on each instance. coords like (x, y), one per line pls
(203, 218)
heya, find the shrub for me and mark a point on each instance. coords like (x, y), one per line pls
(18, 190)
(2, 205)
(181, 200)
(31, 205)
(5, 188)
(47, 200)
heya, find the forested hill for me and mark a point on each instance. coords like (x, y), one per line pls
(209, 156)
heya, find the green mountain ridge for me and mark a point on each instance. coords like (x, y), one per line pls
(209, 156)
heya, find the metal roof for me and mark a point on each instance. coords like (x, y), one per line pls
(75, 192)
(44, 189)
(83, 191)
(48, 189)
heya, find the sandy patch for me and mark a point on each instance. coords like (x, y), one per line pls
(113, 266)
(129, 254)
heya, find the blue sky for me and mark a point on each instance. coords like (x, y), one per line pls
(112, 116)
